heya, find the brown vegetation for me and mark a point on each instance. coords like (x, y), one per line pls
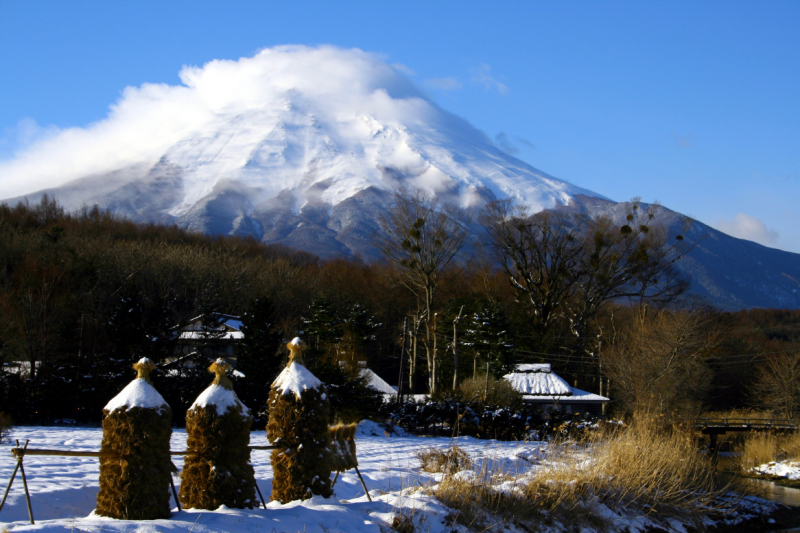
(217, 470)
(299, 425)
(639, 470)
(135, 486)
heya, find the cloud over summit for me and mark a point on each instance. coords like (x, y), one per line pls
(150, 118)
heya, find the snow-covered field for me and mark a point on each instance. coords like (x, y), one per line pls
(64, 489)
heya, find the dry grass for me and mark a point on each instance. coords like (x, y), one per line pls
(445, 460)
(762, 448)
(639, 470)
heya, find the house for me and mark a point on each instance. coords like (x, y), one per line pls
(213, 335)
(374, 381)
(539, 385)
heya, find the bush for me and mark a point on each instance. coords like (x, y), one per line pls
(453, 417)
(500, 393)
(447, 460)
(5, 426)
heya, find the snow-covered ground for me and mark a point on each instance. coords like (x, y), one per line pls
(64, 489)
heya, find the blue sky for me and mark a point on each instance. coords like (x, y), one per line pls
(693, 104)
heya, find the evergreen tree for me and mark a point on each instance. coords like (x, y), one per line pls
(257, 355)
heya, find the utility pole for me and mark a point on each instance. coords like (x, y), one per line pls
(402, 360)
(455, 348)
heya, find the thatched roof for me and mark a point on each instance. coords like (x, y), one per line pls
(538, 380)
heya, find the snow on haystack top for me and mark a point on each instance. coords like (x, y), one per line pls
(143, 361)
(221, 398)
(296, 342)
(297, 379)
(138, 393)
(539, 383)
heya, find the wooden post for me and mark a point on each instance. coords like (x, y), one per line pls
(363, 484)
(174, 492)
(25, 483)
(260, 496)
(11, 481)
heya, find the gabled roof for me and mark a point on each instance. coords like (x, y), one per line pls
(374, 381)
(230, 327)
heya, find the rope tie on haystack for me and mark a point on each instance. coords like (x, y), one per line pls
(220, 368)
(296, 349)
(143, 369)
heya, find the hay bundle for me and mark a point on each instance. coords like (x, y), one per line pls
(298, 423)
(136, 425)
(217, 471)
(342, 448)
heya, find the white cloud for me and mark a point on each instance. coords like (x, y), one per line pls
(149, 119)
(443, 84)
(483, 75)
(748, 227)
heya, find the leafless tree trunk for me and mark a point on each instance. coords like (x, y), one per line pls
(420, 239)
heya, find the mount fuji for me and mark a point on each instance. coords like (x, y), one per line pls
(304, 146)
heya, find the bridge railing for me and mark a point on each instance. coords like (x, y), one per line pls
(777, 423)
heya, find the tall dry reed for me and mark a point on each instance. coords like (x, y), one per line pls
(762, 448)
(640, 469)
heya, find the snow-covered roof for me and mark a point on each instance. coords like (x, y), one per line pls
(221, 398)
(537, 367)
(374, 381)
(538, 383)
(138, 393)
(297, 379)
(577, 396)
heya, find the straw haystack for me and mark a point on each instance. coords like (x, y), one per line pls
(136, 426)
(342, 447)
(217, 470)
(298, 423)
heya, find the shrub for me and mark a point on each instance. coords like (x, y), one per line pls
(444, 460)
(499, 393)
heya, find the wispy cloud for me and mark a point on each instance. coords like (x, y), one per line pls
(748, 227)
(443, 84)
(482, 75)
(509, 144)
(399, 67)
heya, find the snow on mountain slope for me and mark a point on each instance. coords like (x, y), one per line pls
(321, 124)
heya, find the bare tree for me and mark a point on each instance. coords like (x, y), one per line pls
(657, 360)
(566, 266)
(777, 385)
(421, 239)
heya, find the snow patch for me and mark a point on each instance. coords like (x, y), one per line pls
(296, 379)
(221, 398)
(138, 393)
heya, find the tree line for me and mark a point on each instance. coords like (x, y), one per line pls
(83, 295)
